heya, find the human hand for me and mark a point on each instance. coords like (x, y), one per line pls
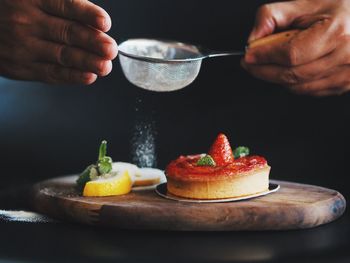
(55, 41)
(316, 61)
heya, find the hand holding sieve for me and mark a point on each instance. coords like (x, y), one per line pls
(169, 65)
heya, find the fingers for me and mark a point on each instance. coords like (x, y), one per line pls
(10, 69)
(82, 11)
(274, 16)
(75, 34)
(314, 61)
(291, 75)
(67, 56)
(303, 80)
(48, 73)
(286, 75)
(72, 57)
(335, 84)
(56, 41)
(56, 74)
(300, 49)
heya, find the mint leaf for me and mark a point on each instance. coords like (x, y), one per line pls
(241, 151)
(105, 165)
(103, 150)
(84, 177)
(104, 162)
(206, 160)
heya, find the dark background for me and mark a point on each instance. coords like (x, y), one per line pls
(48, 131)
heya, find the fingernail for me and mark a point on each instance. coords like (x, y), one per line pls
(107, 46)
(101, 21)
(88, 78)
(250, 58)
(104, 22)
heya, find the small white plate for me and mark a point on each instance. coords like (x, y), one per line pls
(161, 190)
(149, 187)
(150, 171)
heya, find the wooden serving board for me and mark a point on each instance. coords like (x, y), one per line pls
(294, 206)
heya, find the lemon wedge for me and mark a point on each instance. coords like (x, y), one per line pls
(132, 169)
(119, 184)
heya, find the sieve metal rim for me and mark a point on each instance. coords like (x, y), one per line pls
(161, 60)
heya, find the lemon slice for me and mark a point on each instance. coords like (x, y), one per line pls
(149, 177)
(132, 169)
(119, 184)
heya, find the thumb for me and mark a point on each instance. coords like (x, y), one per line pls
(271, 17)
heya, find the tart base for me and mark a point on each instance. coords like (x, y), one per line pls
(249, 183)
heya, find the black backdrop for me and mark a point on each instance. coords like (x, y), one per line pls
(48, 131)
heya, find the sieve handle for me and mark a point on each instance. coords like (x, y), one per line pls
(225, 53)
(280, 38)
(277, 38)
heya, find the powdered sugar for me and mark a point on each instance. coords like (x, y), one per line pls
(143, 143)
(24, 216)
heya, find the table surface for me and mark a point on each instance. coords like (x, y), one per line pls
(46, 242)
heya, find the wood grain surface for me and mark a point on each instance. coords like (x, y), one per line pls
(294, 206)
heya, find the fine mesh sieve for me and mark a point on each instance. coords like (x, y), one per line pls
(161, 65)
(169, 65)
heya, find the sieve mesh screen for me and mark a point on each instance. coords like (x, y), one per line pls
(159, 76)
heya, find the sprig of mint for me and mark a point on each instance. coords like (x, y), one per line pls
(241, 151)
(102, 166)
(104, 162)
(206, 160)
(84, 177)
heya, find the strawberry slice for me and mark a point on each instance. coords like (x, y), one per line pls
(221, 151)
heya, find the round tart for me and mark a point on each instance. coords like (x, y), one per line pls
(217, 175)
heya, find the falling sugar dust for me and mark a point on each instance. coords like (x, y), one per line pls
(143, 145)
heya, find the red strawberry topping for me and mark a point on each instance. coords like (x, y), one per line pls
(221, 151)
